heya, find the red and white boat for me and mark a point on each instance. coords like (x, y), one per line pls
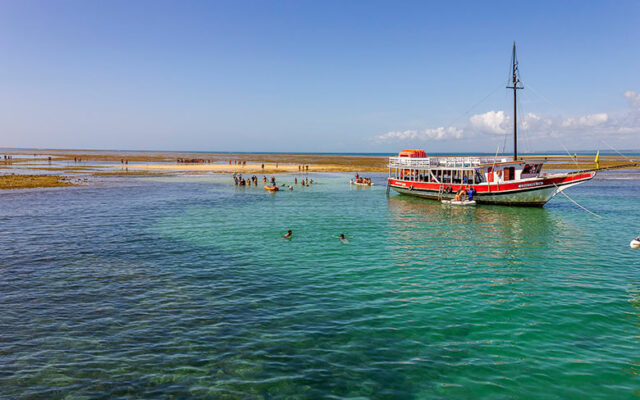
(496, 181)
(508, 181)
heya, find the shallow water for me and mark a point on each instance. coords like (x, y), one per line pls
(159, 287)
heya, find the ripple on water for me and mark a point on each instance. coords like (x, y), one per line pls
(184, 287)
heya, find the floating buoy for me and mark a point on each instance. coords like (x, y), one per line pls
(635, 243)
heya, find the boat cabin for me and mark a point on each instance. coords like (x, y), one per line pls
(415, 166)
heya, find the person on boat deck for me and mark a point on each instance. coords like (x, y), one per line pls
(288, 234)
(472, 191)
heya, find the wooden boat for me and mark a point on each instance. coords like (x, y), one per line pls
(513, 181)
(271, 188)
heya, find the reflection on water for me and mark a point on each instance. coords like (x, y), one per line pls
(490, 231)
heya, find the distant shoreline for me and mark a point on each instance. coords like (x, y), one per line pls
(273, 162)
(65, 166)
(556, 153)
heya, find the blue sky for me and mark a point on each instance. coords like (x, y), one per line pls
(317, 76)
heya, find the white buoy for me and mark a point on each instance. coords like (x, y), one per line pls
(635, 243)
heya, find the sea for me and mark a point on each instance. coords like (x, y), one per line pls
(176, 287)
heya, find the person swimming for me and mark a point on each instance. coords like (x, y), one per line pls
(343, 239)
(288, 235)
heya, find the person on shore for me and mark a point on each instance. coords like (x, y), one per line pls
(288, 235)
(263, 166)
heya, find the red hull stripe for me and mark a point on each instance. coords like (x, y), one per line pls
(494, 188)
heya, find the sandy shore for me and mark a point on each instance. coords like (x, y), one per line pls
(135, 162)
(254, 168)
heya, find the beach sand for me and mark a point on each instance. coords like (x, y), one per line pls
(256, 168)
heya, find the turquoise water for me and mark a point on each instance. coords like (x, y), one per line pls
(184, 288)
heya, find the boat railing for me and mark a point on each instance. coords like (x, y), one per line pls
(440, 162)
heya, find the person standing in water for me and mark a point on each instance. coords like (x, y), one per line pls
(472, 191)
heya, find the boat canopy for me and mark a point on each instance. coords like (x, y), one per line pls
(442, 162)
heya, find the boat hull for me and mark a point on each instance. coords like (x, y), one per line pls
(526, 193)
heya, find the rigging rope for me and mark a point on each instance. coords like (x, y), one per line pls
(575, 160)
(475, 105)
(575, 202)
(556, 107)
(623, 156)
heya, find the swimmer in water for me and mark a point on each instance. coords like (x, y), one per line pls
(288, 235)
(343, 239)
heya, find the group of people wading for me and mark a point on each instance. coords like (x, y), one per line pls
(462, 193)
(240, 181)
(253, 180)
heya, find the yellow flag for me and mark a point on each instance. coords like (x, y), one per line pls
(597, 160)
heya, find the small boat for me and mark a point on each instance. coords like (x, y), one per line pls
(635, 243)
(271, 188)
(352, 182)
(459, 203)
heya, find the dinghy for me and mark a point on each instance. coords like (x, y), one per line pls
(635, 243)
(271, 188)
(351, 182)
(459, 203)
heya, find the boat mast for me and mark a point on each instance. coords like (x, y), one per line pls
(515, 85)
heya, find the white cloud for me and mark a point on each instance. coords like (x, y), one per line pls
(590, 120)
(425, 134)
(490, 122)
(634, 99)
(592, 127)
